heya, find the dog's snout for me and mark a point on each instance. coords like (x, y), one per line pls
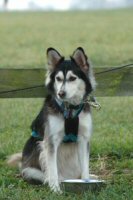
(62, 94)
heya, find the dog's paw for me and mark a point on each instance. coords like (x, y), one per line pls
(85, 176)
(93, 176)
(55, 187)
(88, 176)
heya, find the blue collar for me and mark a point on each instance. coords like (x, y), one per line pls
(70, 110)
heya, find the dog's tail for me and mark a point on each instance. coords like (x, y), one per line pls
(15, 160)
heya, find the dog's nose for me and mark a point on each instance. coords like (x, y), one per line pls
(62, 94)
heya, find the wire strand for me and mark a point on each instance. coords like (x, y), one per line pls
(114, 69)
(42, 85)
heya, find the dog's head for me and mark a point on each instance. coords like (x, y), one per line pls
(69, 80)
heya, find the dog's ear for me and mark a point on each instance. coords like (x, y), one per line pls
(80, 58)
(53, 57)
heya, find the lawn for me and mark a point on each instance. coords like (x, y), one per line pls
(107, 39)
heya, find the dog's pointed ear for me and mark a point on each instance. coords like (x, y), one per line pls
(80, 58)
(53, 57)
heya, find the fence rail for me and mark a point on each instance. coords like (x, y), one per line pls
(27, 83)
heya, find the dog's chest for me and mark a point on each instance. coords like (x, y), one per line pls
(56, 126)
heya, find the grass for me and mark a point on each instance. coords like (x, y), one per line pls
(107, 36)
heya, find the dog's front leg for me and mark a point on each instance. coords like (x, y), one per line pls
(53, 180)
(83, 152)
(48, 162)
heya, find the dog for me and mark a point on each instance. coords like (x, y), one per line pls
(58, 148)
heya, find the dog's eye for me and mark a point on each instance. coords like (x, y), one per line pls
(58, 79)
(72, 78)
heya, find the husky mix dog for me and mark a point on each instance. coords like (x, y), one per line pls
(58, 148)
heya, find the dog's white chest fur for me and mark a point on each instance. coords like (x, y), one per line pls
(68, 154)
(85, 125)
(56, 126)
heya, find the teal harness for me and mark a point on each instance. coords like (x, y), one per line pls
(71, 113)
(71, 121)
(36, 135)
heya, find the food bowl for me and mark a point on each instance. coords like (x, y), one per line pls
(82, 185)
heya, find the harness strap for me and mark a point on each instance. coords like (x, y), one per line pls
(70, 138)
(71, 129)
(36, 135)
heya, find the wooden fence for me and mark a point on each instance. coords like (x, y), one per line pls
(27, 83)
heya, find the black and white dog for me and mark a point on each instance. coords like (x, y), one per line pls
(59, 146)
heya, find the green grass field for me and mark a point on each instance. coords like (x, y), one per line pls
(107, 39)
